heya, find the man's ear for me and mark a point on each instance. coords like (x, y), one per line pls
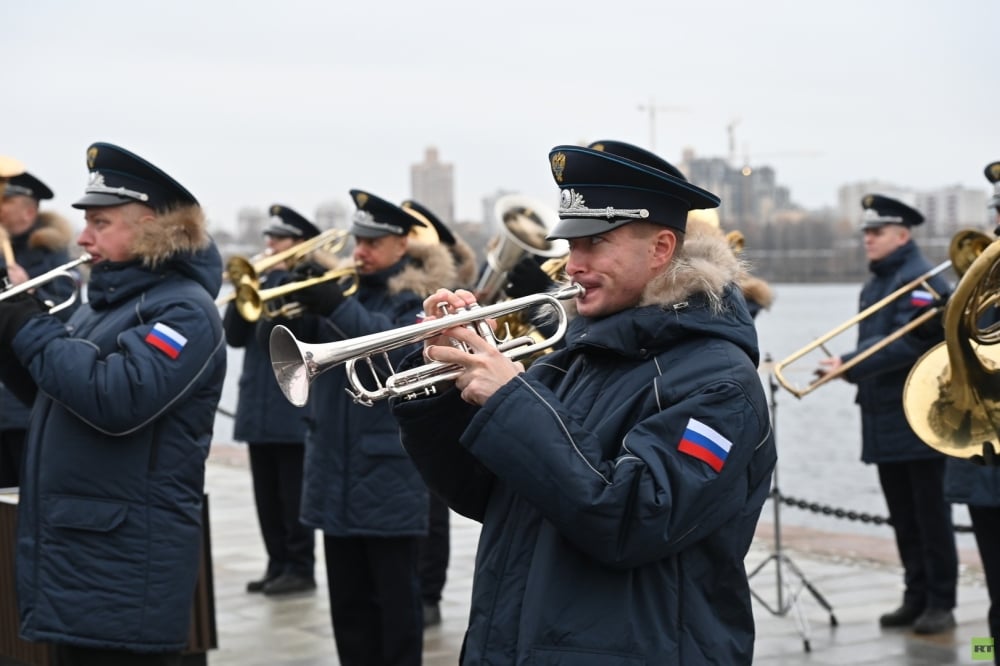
(665, 244)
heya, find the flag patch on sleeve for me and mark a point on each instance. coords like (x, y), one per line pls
(166, 339)
(920, 298)
(705, 444)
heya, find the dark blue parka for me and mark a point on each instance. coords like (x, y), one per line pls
(886, 435)
(109, 524)
(263, 415)
(604, 541)
(40, 249)
(358, 479)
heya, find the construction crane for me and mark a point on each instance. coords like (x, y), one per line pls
(652, 109)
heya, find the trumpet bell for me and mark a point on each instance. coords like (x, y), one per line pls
(291, 366)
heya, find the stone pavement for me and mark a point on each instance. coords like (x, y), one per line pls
(857, 576)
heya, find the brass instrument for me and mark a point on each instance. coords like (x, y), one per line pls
(965, 247)
(297, 364)
(251, 299)
(240, 270)
(952, 395)
(64, 271)
(524, 224)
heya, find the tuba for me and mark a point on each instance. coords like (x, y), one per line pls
(524, 224)
(952, 395)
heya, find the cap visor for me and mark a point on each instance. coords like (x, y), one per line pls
(100, 200)
(579, 227)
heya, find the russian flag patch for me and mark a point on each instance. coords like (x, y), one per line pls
(920, 298)
(166, 339)
(705, 444)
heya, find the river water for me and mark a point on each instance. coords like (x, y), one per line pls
(818, 437)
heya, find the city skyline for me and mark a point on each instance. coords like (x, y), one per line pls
(257, 106)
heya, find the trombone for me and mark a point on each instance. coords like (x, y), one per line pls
(965, 247)
(297, 364)
(251, 299)
(64, 271)
(240, 270)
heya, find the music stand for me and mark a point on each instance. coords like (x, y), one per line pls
(787, 598)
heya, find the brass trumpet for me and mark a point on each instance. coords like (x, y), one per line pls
(966, 246)
(297, 364)
(251, 299)
(64, 271)
(240, 270)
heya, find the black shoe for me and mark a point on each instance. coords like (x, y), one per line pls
(903, 616)
(432, 615)
(260, 584)
(934, 621)
(289, 584)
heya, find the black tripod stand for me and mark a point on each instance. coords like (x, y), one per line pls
(787, 596)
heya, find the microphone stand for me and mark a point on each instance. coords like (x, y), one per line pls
(787, 598)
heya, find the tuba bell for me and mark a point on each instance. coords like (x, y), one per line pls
(524, 224)
(952, 395)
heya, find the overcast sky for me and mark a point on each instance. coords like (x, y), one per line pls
(252, 103)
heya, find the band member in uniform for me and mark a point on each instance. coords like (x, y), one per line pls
(361, 489)
(978, 486)
(38, 242)
(274, 431)
(435, 549)
(109, 520)
(619, 480)
(910, 472)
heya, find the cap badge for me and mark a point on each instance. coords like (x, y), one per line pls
(361, 199)
(91, 157)
(558, 166)
(868, 201)
(995, 172)
(97, 186)
(571, 205)
(275, 210)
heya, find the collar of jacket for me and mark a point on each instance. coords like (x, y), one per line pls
(894, 260)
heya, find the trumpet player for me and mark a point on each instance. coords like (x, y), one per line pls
(274, 431)
(34, 243)
(619, 480)
(109, 519)
(361, 490)
(911, 473)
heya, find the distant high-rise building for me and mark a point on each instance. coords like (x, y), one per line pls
(432, 183)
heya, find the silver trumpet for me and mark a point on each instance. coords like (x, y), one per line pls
(296, 363)
(65, 271)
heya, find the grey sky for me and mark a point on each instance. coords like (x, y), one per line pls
(250, 103)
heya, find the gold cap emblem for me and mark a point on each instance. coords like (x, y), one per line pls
(558, 166)
(994, 171)
(91, 157)
(868, 201)
(361, 199)
(275, 209)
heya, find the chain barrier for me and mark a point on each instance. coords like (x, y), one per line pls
(843, 514)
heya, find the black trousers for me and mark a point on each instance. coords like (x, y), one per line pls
(71, 655)
(986, 527)
(434, 551)
(277, 490)
(374, 600)
(925, 536)
(11, 457)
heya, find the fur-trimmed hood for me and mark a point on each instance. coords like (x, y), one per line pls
(179, 231)
(430, 268)
(51, 232)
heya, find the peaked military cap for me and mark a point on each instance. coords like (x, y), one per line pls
(118, 177)
(286, 223)
(992, 172)
(881, 210)
(26, 185)
(376, 217)
(429, 219)
(637, 154)
(601, 191)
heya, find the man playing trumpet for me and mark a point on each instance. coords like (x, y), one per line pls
(620, 479)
